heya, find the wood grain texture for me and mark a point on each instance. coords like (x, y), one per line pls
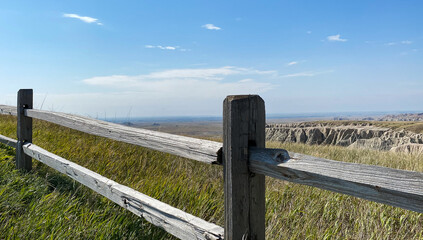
(8, 141)
(394, 187)
(192, 148)
(24, 128)
(243, 127)
(172, 220)
(8, 110)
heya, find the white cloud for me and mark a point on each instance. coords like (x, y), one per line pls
(210, 74)
(179, 91)
(246, 80)
(406, 42)
(82, 18)
(166, 47)
(177, 80)
(292, 63)
(336, 38)
(180, 88)
(305, 74)
(203, 73)
(301, 74)
(210, 27)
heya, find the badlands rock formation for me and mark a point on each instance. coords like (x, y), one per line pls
(353, 136)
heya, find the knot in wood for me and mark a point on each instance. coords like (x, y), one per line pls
(281, 156)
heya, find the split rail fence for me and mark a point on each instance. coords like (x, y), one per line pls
(245, 162)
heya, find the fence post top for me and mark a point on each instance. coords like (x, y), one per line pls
(25, 91)
(241, 97)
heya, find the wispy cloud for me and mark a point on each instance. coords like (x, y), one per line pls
(308, 32)
(215, 74)
(167, 47)
(404, 42)
(82, 18)
(292, 63)
(210, 27)
(336, 38)
(162, 47)
(305, 74)
(178, 88)
(412, 51)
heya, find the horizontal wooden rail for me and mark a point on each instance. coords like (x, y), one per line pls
(8, 110)
(380, 184)
(196, 149)
(173, 220)
(8, 141)
(192, 148)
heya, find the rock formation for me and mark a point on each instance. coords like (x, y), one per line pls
(354, 136)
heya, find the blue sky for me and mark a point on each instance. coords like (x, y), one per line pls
(178, 58)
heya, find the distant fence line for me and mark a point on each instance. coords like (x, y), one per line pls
(245, 162)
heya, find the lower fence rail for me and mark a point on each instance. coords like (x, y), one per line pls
(8, 141)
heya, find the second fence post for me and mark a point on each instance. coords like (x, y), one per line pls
(24, 130)
(243, 127)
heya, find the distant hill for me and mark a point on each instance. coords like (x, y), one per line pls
(403, 117)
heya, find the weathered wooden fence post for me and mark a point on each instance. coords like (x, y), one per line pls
(24, 132)
(243, 127)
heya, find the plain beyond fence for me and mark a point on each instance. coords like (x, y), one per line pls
(245, 163)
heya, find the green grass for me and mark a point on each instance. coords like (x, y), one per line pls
(44, 204)
(49, 204)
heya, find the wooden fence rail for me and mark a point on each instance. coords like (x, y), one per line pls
(395, 187)
(245, 163)
(8, 110)
(192, 148)
(8, 141)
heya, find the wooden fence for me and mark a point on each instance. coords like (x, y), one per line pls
(245, 162)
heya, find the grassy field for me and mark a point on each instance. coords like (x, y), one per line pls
(46, 204)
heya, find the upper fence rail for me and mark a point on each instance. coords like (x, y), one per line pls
(8, 110)
(192, 148)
